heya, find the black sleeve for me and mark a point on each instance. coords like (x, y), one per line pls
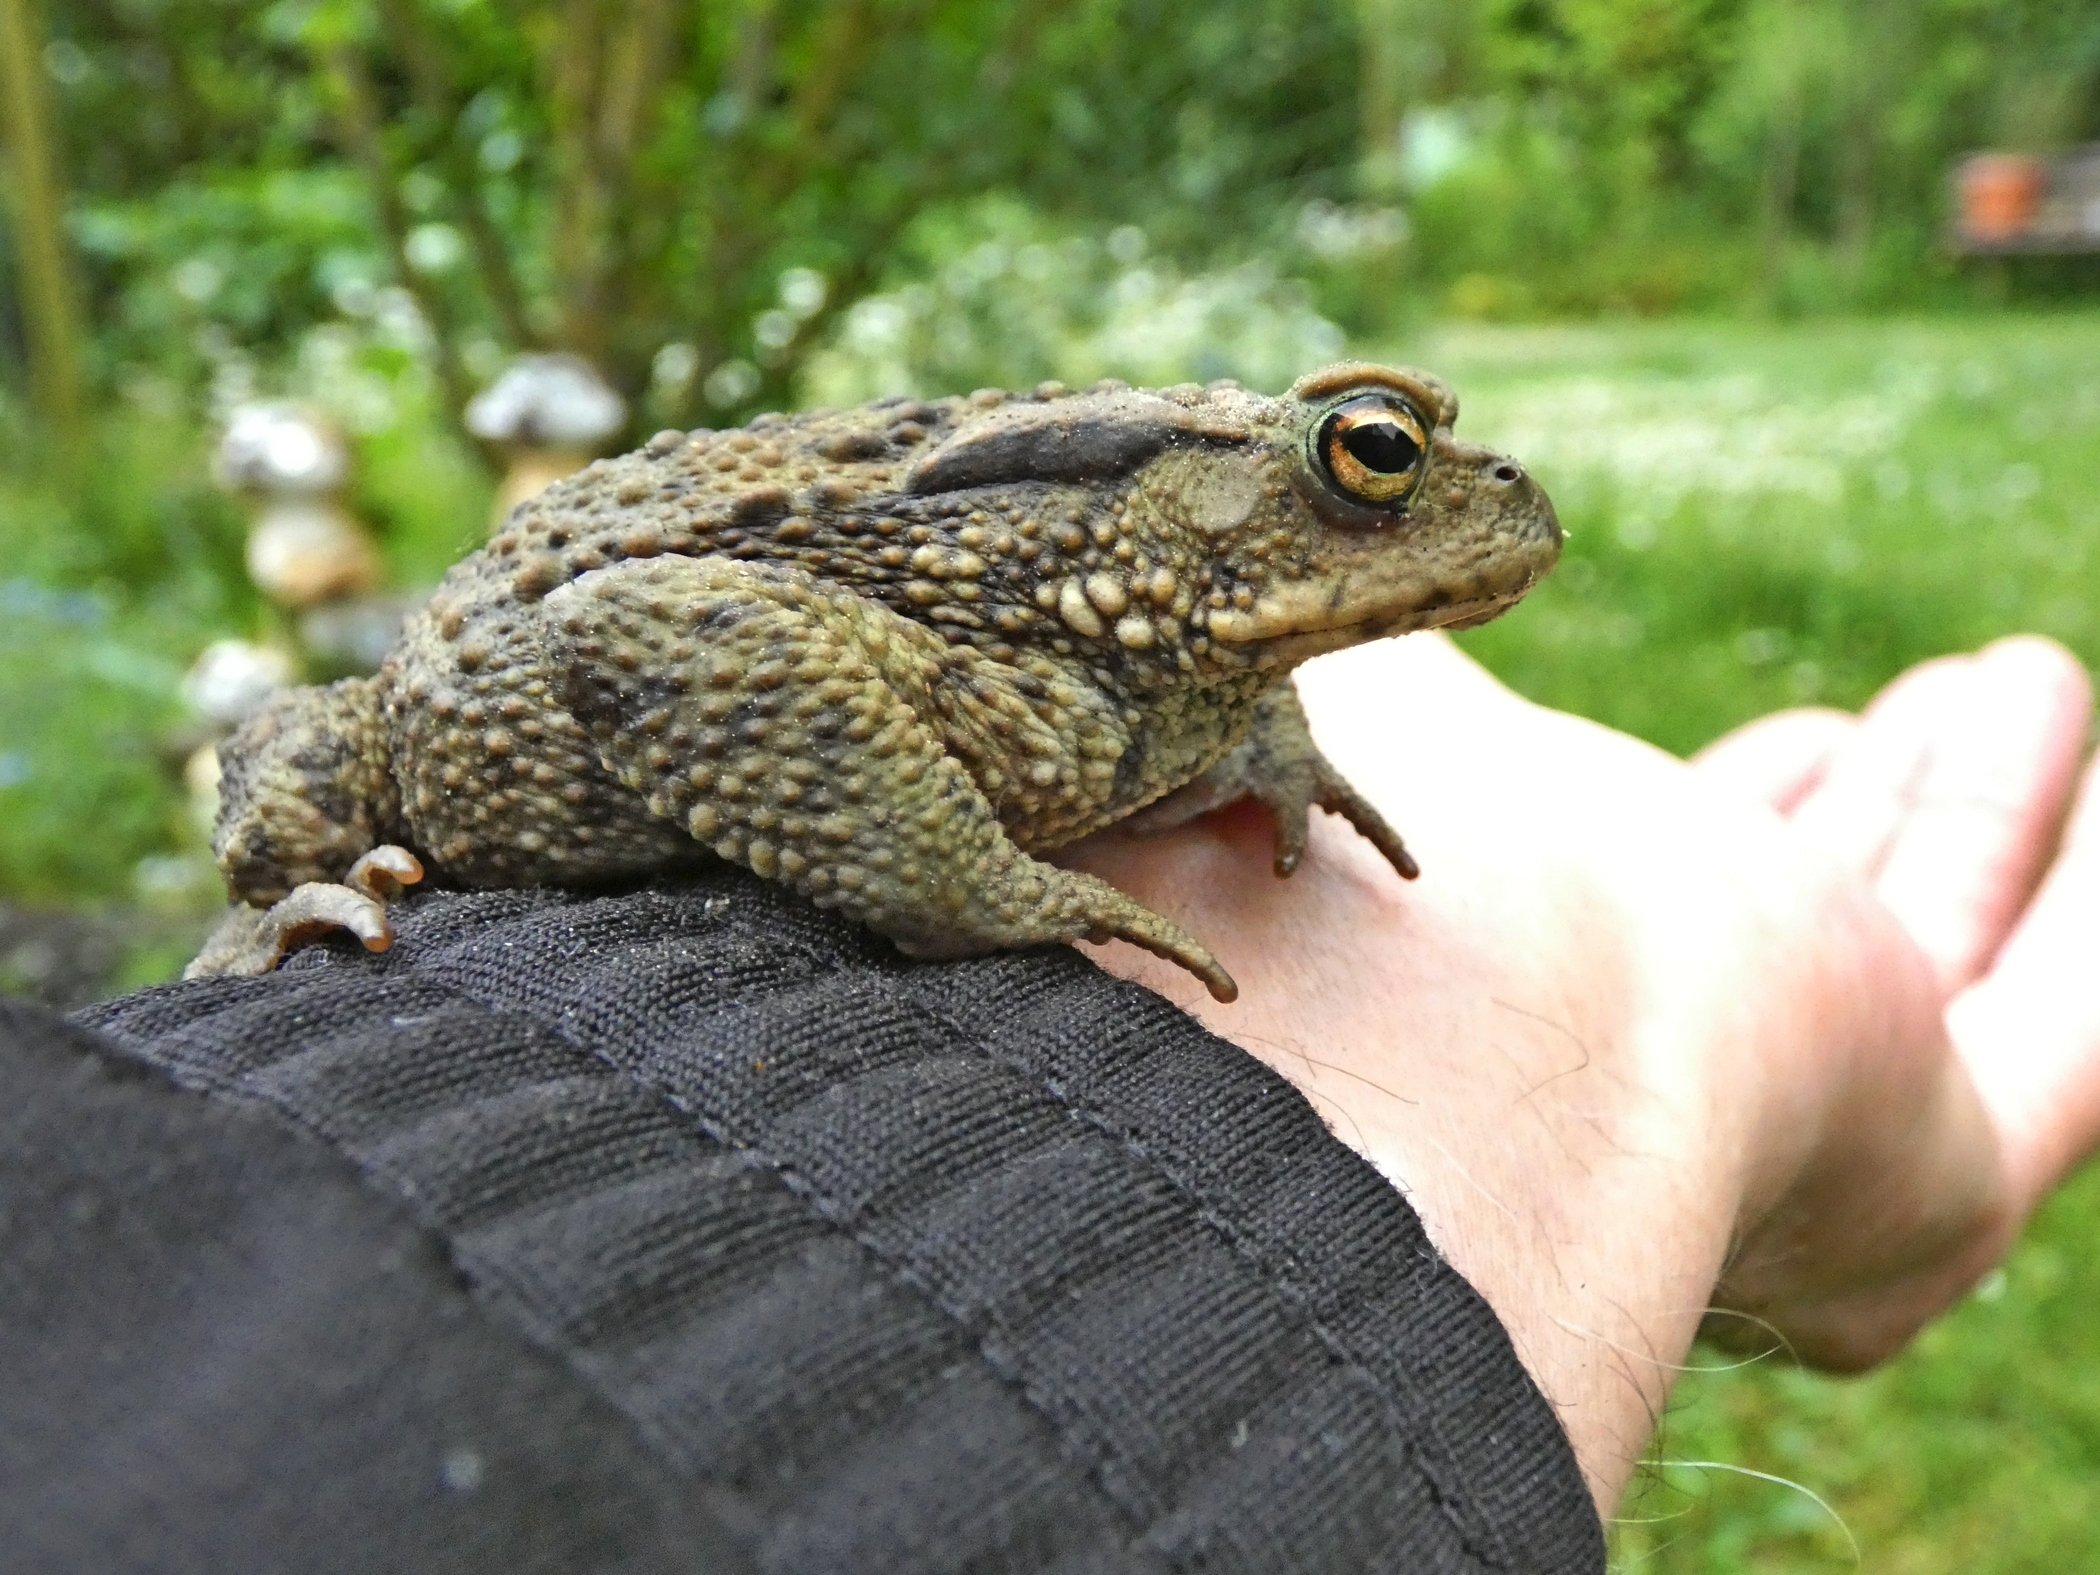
(689, 1229)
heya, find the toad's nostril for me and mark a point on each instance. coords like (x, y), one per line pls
(1508, 473)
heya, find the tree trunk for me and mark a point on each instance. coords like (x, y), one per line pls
(51, 318)
(1782, 181)
(1878, 42)
(437, 94)
(1385, 64)
(343, 73)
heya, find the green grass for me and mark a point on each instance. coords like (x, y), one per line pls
(1763, 516)
(1760, 516)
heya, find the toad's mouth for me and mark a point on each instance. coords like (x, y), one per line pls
(1297, 628)
(1289, 647)
(1470, 615)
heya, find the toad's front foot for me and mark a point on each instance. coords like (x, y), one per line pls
(1279, 765)
(252, 941)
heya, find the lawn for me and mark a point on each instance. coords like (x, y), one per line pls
(1760, 516)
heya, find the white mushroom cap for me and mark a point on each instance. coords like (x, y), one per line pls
(280, 448)
(232, 678)
(547, 401)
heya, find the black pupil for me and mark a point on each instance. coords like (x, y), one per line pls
(1383, 446)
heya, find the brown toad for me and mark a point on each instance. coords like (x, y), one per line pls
(887, 656)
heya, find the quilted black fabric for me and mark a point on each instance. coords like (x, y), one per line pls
(876, 1266)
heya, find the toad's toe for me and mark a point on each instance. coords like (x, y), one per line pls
(250, 942)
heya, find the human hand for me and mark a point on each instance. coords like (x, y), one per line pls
(1644, 1029)
(1947, 797)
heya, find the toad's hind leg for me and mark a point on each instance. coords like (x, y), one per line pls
(791, 727)
(308, 811)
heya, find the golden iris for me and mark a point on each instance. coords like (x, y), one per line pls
(1375, 449)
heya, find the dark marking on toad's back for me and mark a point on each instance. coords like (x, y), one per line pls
(1091, 450)
(887, 656)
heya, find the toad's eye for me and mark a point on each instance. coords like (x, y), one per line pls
(1375, 449)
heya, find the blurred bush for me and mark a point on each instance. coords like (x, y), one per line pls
(687, 196)
(1646, 156)
(1003, 298)
(693, 196)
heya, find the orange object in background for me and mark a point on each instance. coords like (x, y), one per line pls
(2000, 195)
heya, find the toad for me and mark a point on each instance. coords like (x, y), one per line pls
(889, 656)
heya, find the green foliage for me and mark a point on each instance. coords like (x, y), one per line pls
(1006, 299)
(95, 626)
(640, 181)
(229, 259)
(635, 181)
(86, 790)
(1654, 155)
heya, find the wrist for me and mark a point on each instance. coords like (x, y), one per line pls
(1555, 1120)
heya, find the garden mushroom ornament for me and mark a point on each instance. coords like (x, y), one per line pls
(549, 415)
(304, 545)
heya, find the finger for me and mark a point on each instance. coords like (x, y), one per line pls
(1854, 810)
(1777, 760)
(1981, 820)
(2029, 1029)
